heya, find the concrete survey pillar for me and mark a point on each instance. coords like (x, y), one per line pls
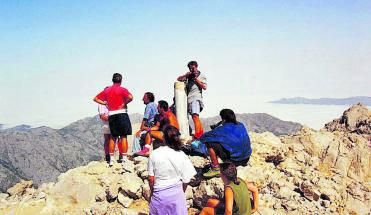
(181, 110)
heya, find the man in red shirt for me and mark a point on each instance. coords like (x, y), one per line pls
(116, 99)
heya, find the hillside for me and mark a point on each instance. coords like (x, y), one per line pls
(310, 172)
(326, 101)
(41, 154)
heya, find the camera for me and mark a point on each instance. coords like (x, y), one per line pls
(192, 76)
(216, 125)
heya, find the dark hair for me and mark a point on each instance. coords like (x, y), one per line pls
(228, 115)
(164, 105)
(117, 78)
(172, 137)
(150, 96)
(228, 169)
(192, 63)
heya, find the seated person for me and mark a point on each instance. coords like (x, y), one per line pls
(236, 194)
(148, 121)
(229, 142)
(164, 118)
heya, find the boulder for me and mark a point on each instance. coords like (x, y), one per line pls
(20, 188)
(309, 192)
(124, 200)
(131, 185)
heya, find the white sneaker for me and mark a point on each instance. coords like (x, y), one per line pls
(110, 163)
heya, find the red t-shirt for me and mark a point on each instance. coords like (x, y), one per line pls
(115, 96)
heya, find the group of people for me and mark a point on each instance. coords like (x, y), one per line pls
(169, 168)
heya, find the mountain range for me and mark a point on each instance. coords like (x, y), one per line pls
(309, 172)
(42, 153)
(325, 101)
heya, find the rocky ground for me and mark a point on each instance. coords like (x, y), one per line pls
(310, 172)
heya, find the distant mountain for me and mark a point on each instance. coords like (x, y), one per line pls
(42, 153)
(22, 127)
(325, 101)
(259, 122)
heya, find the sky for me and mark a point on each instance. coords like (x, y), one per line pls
(55, 56)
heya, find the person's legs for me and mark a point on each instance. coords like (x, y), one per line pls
(198, 126)
(213, 157)
(122, 144)
(210, 208)
(158, 135)
(195, 109)
(107, 138)
(216, 150)
(207, 211)
(212, 203)
(111, 149)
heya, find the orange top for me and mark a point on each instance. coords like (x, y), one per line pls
(172, 119)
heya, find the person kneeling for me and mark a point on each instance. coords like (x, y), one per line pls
(236, 195)
(229, 141)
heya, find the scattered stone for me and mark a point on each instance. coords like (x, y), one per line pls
(111, 195)
(131, 185)
(20, 188)
(198, 161)
(325, 203)
(124, 200)
(275, 159)
(41, 195)
(101, 197)
(309, 192)
(99, 208)
(128, 167)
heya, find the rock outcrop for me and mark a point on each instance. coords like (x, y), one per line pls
(80, 143)
(310, 172)
(356, 119)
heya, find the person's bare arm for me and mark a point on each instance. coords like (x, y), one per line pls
(183, 77)
(103, 117)
(143, 125)
(200, 83)
(151, 182)
(228, 194)
(185, 186)
(255, 195)
(129, 99)
(156, 127)
(99, 101)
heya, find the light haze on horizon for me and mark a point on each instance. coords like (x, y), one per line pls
(55, 56)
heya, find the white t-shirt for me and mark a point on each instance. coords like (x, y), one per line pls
(169, 167)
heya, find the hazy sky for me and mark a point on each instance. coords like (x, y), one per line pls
(55, 56)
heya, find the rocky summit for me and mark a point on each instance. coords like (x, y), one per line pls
(309, 172)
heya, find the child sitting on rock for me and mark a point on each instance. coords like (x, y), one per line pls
(236, 194)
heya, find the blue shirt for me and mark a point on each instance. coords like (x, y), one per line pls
(233, 137)
(150, 113)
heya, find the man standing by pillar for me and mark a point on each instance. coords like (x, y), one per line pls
(195, 83)
(116, 99)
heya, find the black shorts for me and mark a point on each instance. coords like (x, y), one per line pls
(119, 125)
(225, 155)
